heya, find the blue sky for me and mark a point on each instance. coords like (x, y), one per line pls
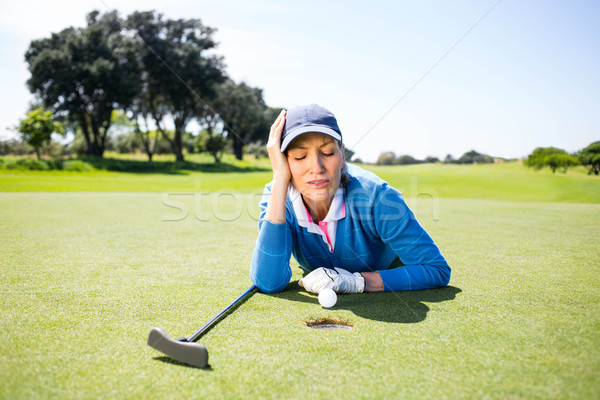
(526, 75)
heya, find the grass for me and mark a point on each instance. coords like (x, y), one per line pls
(86, 275)
(133, 173)
(509, 181)
(90, 261)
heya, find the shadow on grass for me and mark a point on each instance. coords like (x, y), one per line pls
(163, 167)
(396, 307)
(169, 360)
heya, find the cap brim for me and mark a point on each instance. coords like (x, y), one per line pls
(308, 129)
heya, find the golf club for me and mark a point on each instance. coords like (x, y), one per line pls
(184, 349)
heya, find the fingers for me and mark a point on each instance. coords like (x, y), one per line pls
(279, 163)
(318, 280)
(277, 126)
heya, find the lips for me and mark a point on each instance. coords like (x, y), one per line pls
(319, 183)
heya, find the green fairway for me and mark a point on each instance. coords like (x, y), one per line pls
(508, 181)
(85, 276)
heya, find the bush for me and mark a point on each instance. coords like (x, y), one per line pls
(76, 165)
(30, 164)
(212, 143)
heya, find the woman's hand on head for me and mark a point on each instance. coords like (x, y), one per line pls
(279, 162)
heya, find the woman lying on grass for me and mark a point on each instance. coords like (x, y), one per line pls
(346, 225)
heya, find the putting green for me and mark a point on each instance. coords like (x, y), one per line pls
(85, 276)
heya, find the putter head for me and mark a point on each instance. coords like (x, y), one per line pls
(189, 353)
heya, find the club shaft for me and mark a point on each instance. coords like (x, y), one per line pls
(196, 335)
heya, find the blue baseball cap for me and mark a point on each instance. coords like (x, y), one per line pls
(305, 119)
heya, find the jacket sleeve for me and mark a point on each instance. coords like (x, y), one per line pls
(270, 268)
(424, 266)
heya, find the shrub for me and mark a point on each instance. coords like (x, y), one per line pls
(76, 165)
(31, 164)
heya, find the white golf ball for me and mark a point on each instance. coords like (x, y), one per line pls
(327, 298)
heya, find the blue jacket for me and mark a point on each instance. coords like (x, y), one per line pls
(379, 233)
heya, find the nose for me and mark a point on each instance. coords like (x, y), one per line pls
(316, 165)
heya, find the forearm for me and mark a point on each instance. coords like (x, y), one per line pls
(415, 277)
(270, 268)
(275, 211)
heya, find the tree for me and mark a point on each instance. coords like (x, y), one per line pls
(212, 142)
(590, 157)
(386, 158)
(550, 157)
(563, 161)
(122, 136)
(179, 79)
(472, 157)
(150, 140)
(406, 159)
(241, 108)
(83, 74)
(37, 128)
(14, 147)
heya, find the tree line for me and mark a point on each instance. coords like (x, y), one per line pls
(470, 157)
(551, 157)
(160, 74)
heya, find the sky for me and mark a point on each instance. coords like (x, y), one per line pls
(423, 78)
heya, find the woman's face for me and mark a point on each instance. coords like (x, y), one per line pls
(315, 162)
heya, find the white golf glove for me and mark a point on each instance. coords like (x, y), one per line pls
(337, 279)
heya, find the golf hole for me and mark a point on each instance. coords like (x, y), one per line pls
(328, 324)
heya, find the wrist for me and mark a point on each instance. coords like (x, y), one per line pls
(373, 281)
(280, 181)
